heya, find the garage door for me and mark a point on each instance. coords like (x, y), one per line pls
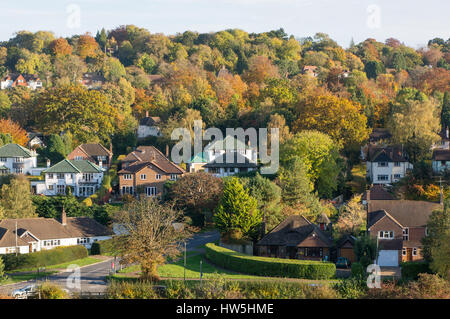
(388, 258)
(348, 253)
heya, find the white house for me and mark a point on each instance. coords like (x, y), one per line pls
(229, 156)
(83, 177)
(16, 159)
(26, 235)
(440, 160)
(386, 165)
(27, 80)
(148, 126)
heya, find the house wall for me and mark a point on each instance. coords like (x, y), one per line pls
(79, 153)
(386, 224)
(145, 131)
(27, 165)
(75, 181)
(439, 166)
(373, 170)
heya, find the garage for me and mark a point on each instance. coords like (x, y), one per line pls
(388, 258)
(348, 253)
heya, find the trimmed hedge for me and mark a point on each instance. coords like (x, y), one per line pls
(44, 258)
(103, 247)
(412, 269)
(266, 266)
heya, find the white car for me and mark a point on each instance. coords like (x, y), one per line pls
(24, 292)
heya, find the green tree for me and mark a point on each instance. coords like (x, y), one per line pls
(3, 276)
(15, 198)
(441, 256)
(237, 210)
(365, 250)
(437, 226)
(55, 150)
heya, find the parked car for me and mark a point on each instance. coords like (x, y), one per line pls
(342, 262)
(24, 292)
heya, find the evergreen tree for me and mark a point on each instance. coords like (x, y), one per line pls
(238, 210)
(55, 150)
(101, 38)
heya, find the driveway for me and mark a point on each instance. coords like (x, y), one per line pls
(92, 279)
(201, 239)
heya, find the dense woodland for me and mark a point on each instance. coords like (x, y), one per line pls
(233, 78)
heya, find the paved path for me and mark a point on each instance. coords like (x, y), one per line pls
(201, 239)
(92, 279)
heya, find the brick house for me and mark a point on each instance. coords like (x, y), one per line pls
(296, 238)
(145, 171)
(94, 152)
(398, 226)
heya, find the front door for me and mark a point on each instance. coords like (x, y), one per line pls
(408, 254)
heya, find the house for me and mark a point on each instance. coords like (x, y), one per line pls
(82, 176)
(15, 80)
(296, 238)
(229, 156)
(398, 226)
(35, 140)
(92, 80)
(440, 160)
(197, 163)
(444, 142)
(16, 159)
(376, 192)
(149, 126)
(311, 70)
(37, 234)
(386, 164)
(145, 171)
(345, 248)
(93, 152)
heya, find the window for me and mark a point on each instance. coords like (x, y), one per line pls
(78, 158)
(143, 177)
(150, 191)
(60, 189)
(383, 164)
(173, 177)
(51, 187)
(397, 176)
(88, 177)
(60, 176)
(414, 252)
(82, 241)
(18, 170)
(386, 234)
(405, 234)
(127, 177)
(3, 159)
(403, 251)
(10, 250)
(50, 176)
(383, 177)
(158, 177)
(396, 164)
(18, 159)
(127, 190)
(313, 252)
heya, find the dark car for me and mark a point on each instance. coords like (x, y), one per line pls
(342, 262)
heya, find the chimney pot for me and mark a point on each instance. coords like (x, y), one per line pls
(48, 163)
(146, 114)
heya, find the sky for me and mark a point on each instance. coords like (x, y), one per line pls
(413, 22)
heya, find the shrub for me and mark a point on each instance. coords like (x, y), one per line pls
(352, 288)
(104, 247)
(266, 266)
(131, 290)
(412, 269)
(87, 202)
(3, 276)
(44, 258)
(50, 290)
(358, 270)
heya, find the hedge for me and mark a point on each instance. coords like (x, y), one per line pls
(104, 247)
(412, 269)
(266, 266)
(44, 258)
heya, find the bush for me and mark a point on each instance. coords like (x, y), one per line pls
(44, 258)
(358, 270)
(128, 290)
(266, 266)
(412, 269)
(50, 290)
(353, 288)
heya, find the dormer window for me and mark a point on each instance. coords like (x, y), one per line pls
(383, 164)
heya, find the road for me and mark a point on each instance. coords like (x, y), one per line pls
(93, 277)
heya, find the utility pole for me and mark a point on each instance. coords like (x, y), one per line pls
(185, 262)
(201, 273)
(16, 238)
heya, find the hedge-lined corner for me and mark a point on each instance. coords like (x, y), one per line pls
(271, 267)
(412, 269)
(44, 258)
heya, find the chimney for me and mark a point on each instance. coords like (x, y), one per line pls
(110, 148)
(48, 163)
(63, 217)
(167, 151)
(146, 113)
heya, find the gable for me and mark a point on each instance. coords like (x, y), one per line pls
(313, 240)
(386, 222)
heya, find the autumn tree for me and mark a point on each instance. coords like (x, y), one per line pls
(415, 124)
(60, 47)
(260, 68)
(70, 67)
(337, 117)
(197, 193)
(86, 46)
(152, 235)
(85, 114)
(17, 133)
(351, 217)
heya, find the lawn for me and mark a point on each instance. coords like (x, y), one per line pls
(358, 182)
(24, 277)
(80, 262)
(210, 271)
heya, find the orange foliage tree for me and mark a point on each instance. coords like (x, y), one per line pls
(16, 132)
(60, 47)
